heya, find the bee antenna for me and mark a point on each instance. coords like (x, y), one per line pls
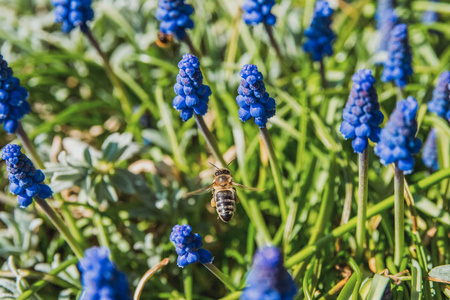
(214, 166)
(231, 162)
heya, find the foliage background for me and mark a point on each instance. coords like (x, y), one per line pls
(72, 97)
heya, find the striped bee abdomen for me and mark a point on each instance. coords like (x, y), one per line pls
(226, 204)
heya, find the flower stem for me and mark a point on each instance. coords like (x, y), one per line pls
(362, 203)
(399, 212)
(187, 283)
(274, 44)
(222, 277)
(323, 79)
(399, 93)
(122, 95)
(276, 172)
(60, 226)
(147, 276)
(189, 43)
(212, 144)
(29, 147)
(101, 233)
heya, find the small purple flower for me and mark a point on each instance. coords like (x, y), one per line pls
(73, 13)
(362, 115)
(398, 142)
(258, 11)
(175, 17)
(440, 104)
(429, 152)
(268, 278)
(188, 246)
(253, 100)
(100, 277)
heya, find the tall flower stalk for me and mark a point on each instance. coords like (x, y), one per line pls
(397, 145)
(320, 37)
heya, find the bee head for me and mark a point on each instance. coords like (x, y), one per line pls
(222, 171)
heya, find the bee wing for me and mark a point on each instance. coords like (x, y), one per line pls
(199, 191)
(247, 188)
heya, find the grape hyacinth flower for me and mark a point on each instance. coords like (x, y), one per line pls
(386, 20)
(258, 11)
(398, 142)
(13, 99)
(188, 246)
(100, 277)
(397, 67)
(192, 94)
(429, 152)
(430, 16)
(319, 34)
(174, 17)
(73, 13)
(268, 278)
(362, 115)
(253, 100)
(25, 181)
(440, 104)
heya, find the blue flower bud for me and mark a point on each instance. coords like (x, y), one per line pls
(174, 17)
(440, 104)
(430, 16)
(100, 278)
(258, 11)
(25, 180)
(73, 13)
(398, 67)
(386, 20)
(268, 278)
(253, 99)
(319, 35)
(361, 114)
(188, 246)
(398, 142)
(192, 94)
(429, 153)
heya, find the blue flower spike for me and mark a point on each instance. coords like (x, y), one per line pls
(398, 142)
(440, 104)
(268, 278)
(320, 37)
(188, 246)
(192, 95)
(386, 20)
(100, 277)
(429, 152)
(253, 100)
(24, 180)
(258, 11)
(73, 13)
(362, 115)
(13, 99)
(174, 16)
(430, 16)
(398, 67)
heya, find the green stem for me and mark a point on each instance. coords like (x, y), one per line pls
(149, 274)
(122, 94)
(276, 172)
(101, 232)
(358, 273)
(399, 93)
(212, 144)
(29, 147)
(189, 43)
(362, 203)
(59, 224)
(309, 250)
(187, 283)
(50, 278)
(399, 213)
(274, 44)
(222, 277)
(323, 78)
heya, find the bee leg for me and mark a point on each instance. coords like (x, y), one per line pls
(213, 202)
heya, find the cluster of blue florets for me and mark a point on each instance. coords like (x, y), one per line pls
(268, 278)
(440, 104)
(430, 16)
(397, 67)
(188, 246)
(73, 13)
(429, 152)
(386, 20)
(193, 95)
(253, 99)
(13, 98)
(319, 34)
(100, 277)
(24, 180)
(398, 142)
(258, 11)
(174, 17)
(362, 115)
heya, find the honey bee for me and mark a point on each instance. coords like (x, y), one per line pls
(164, 40)
(224, 193)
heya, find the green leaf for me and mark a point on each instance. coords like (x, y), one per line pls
(416, 280)
(378, 287)
(9, 285)
(123, 180)
(441, 272)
